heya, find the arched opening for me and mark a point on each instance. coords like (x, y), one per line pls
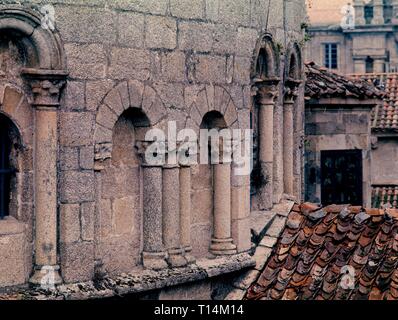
(8, 144)
(121, 196)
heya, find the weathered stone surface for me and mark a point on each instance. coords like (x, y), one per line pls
(69, 223)
(69, 158)
(75, 95)
(77, 261)
(76, 186)
(161, 32)
(187, 9)
(121, 68)
(76, 128)
(268, 241)
(87, 212)
(131, 29)
(276, 227)
(261, 256)
(86, 158)
(246, 279)
(211, 69)
(95, 92)
(236, 294)
(195, 36)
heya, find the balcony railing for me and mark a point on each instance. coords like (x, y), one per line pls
(385, 196)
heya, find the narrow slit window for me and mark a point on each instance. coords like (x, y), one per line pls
(5, 168)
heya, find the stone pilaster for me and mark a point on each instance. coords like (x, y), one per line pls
(394, 19)
(46, 88)
(222, 242)
(378, 12)
(378, 65)
(291, 93)
(171, 215)
(359, 7)
(359, 66)
(267, 93)
(185, 212)
(154, 255)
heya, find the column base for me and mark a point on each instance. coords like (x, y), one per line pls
(154, 260)
(46, 276)
(175, 258)
(188, 256)
(222, 246)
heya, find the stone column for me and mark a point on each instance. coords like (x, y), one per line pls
(222, 243)
(171, 215)
(359, 7)
(185, 212)
(288, 135)
(267, 92)
(46, 88)
(154, 255)
(378, 12)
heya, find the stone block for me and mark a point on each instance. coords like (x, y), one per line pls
(240, 202)
(86, 158)
(69, 158)
(211, 69)
(201, 177)
(242, 68)
(193, 9)
(131, 28)
(76, 186)
(172, 66)
(224, 39)
(87, 215)
(95, 92)
(69, 223)
(75, 95)
(77, 262)
(13, 253)
(82, 24)
(197, 36)
(86, 61)
(161, 32)
(268, 242)
(246, 41)
(234, 12)
(261, 256)
(172, 94)
(202, 206)
(76, 128)
(201, 238)
(244, 281)
(276, 227)
(122, 68)
(123, 214)
(241, 234)
(146, 6)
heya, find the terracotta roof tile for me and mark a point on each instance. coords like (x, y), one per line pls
(385, 115)
(320, 247)
(321, 83)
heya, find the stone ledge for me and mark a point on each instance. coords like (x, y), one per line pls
(11, 226)
(139, 280)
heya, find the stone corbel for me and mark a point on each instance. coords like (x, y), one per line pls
(46, 86)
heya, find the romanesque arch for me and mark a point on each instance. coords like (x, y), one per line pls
(127, 94)
(42, 70)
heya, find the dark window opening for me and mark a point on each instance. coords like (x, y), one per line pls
(341, 177)
(5, 167)
(331, 55)
(369, 65)
(388, 11)
(368, 11)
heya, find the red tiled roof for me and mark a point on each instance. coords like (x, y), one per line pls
(384, 116)
(321, 83)
(318, 249)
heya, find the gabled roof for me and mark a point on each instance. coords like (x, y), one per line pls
(385, 115)
(337, 252)
(321, 83)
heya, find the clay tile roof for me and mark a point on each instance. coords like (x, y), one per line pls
(385, 115)
(336, 252)
(321, 83)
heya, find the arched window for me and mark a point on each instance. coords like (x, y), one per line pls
(5, 168)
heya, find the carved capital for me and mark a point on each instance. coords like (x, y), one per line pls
(291, 90)
(46, 86)
(154, 157)
(267, 91)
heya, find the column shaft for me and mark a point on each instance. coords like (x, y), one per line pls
(266, 154)
(185, 212)
(288, 145)
(222, 242)
(153, 255)
(171, 216)
(46, 193)
(378, 12)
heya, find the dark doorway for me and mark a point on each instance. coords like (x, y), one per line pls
(341, 175)
(5, 170)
